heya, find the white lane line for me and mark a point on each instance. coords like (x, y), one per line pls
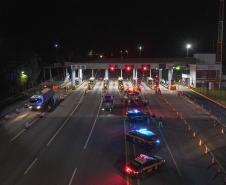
(72, 177)
(169, 150)
(94, 123)
(30, 166)
(23, 130)
(65, 121)
(16, 136)
(171, 154)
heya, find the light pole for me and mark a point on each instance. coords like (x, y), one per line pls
(56, 46)
(140, 49)
(126, 52)
(23, 79)
(188, 46)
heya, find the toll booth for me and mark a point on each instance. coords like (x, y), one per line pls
(92, 80)
(149, 80)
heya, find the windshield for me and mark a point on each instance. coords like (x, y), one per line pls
(108, 98)
(35, 100)
(135, 165)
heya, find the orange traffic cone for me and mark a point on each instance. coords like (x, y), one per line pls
(200, 142)
(222, 131)
(206, 150)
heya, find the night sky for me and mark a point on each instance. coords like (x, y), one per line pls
(161, 27)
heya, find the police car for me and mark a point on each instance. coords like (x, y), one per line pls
(143, 137)
(143, 164)
(140, 101)
(135, 115)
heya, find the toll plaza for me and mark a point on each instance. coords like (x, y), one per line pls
(199, 70)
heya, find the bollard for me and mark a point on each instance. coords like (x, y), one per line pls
(222, 130)
(200, 142)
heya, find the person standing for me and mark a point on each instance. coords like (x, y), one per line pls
(160, 122)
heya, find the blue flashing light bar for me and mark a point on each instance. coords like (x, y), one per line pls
(146, 132)
(134, 111)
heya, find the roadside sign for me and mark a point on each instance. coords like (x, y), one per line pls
(74, 67)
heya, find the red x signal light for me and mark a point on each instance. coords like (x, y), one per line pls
(145, 68)
(112, 68)
(128, 68)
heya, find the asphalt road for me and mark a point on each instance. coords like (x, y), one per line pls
(216, 110)
(79, 144)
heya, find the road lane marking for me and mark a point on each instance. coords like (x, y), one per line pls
(22, 131)
(17, 135)
(169, 150)
(30, 166)
(65, 121)
(94, 123)
(171, 154)
(72, 177)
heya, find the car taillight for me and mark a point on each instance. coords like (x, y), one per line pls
(128, 170)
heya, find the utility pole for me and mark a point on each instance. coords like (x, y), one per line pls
(219, 57)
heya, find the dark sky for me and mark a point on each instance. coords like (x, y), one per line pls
(162, 27)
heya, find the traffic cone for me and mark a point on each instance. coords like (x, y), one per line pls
(200, 142)
(206, 150)
(222, 131)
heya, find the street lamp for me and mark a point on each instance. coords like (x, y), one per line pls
(188, 46)
(23, 78)
(140, 49)
(56, 46)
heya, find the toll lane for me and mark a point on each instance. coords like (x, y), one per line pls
(58, 163)
(188, 160)
(20, 153)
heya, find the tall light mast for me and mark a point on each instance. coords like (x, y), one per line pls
(219, 57)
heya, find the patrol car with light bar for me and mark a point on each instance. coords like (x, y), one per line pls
(135, 115)
(144, 164)
(143, 137)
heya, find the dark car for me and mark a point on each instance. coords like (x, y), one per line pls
(135, 115)
(143, 164)
(143, 137)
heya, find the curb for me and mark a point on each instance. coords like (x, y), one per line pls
(221, 105)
